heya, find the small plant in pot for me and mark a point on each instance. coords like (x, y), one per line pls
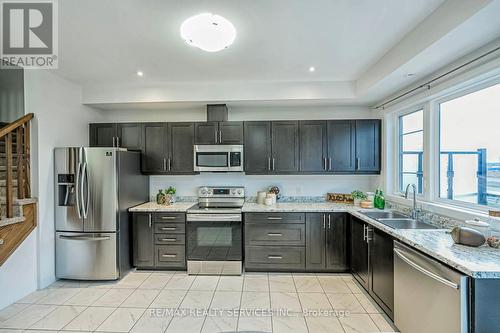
(358, 196)
(170, 194)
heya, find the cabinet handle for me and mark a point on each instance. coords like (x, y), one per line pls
(273, 163)
(169, 228)
(274, 218)
(329, 221)
(324, 164)
(168, 217)
(114, 138)
(215, 136)
(169, 164)
(168, 239)
(364, 232)
(276, 234)
(118, 141)
(275, 257)
(329, 164)
(220, 136)
(169, 255)
(164, 164)
(269, 163)
(149, 222)
(357, 163)
(324, 221)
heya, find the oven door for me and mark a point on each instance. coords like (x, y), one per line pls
(214, 237)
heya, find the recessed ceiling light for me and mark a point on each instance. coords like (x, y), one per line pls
(140, 73)
(312, 69)
(208, 32)
(409, 75)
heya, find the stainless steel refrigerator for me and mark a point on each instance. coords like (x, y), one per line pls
(94, 187)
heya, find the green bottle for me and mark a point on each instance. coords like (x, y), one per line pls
(381, 200)
(375, 199)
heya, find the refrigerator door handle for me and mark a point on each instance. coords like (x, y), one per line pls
(84, 181)
(78, 199)
(85, 238)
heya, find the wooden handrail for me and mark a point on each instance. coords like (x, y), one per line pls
(15, 124)
(21, 130)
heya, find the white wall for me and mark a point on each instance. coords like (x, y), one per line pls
(60, 120)
(293, 185)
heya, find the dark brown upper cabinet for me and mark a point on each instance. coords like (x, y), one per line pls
(219, 132)
(368, 142)
(313, 146)
(125, 135)
(103, 135)
(257, 147)
(168, 148)
(285, 147)
(271, 147)
(341, 146)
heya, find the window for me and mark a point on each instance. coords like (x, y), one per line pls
(469, 151)
(411, 150)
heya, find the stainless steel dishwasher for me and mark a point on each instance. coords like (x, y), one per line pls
(428, 296)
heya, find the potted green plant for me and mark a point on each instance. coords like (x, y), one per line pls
(170, 194)
(358, 196)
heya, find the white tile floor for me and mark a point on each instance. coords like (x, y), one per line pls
(146, 301)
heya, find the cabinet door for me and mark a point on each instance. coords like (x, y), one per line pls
(257, 147)
(341, 146)
(155, 148)
(382, 269)
(181, 140)
(312, 138)
(142, 240)
(130, 136)
(315, 241)
(336, 242)
(359, 252)
(231, 132)
(206, 133)
(102, 135)
(285, 146)
(368, 146)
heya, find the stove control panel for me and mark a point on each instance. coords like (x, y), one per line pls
(221, 192)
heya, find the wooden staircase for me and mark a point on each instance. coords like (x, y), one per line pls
(17, 208)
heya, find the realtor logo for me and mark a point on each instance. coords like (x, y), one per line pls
(29, 34)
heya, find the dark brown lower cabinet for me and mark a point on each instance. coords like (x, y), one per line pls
(372, 263)
(158, 240)
(326, 242)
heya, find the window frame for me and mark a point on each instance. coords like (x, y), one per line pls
(472, 88)
(432, 142)
(399, 150)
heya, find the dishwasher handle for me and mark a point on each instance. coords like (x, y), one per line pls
(422, 270)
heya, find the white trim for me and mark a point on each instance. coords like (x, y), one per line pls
(486, 75)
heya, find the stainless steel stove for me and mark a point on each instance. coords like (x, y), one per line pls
(215, 233)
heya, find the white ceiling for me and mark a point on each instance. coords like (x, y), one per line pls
(103, 43)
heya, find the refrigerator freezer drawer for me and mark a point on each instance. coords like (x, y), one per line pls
(86, 256)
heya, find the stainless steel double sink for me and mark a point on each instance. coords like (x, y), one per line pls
(397, 220)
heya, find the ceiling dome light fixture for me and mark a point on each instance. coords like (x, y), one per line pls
(209, 32)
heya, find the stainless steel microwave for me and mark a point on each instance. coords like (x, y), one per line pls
(218, 158)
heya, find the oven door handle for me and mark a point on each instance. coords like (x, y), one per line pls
(213, 217)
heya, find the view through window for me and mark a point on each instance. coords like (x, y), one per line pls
(411, 150)
(470, 148)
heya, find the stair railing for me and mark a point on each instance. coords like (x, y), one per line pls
(21, 129)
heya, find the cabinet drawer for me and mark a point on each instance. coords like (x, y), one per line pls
(171, 228)
(275, 257)
(169, 239)
(169, 217)
(170, 255)
(275, 234)
(275, 217)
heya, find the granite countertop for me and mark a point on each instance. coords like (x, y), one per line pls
(154, 207)
(481, 262)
